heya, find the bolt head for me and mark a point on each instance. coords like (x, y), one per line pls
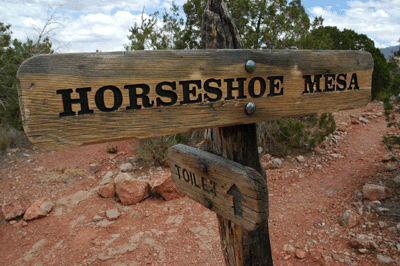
(251, 108)
(250, 66)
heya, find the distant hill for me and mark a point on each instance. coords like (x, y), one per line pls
(388, 51)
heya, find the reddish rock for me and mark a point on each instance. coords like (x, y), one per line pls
(20, 224)
(112, 148)
(268, 165)
(39, 208)
(349, 219)
(164, 185)
(12, 207)
(94, 168)
(300, 254)
(131, 190)
(107, 191)
(376, 192)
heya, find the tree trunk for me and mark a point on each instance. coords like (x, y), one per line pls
(237, 143)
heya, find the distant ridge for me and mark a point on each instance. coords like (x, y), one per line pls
(387, 52)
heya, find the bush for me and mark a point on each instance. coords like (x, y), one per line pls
(153, 151)
(10, 137)
(281, 136)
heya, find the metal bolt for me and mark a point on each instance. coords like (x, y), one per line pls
(208, 204)
(250, 66)
(203, 168)
(251, 108)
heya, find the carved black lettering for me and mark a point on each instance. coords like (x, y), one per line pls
(178, 168)
(187, 175)
(353, 83)
(309, 84)
(99, 99)
(212, 90)
(166, 93)
(274, 86)
(239, 88)
(341, 82)
(194, 181)
(262, 87)
(187, 91)
(68, 102)
(329, 79)
(208, 186)
(134, 95)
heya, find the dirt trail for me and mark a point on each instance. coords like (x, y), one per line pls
(306, 200)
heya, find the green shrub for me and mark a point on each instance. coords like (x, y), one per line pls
(279, 137)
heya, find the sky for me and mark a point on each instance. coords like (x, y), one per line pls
(90, 25)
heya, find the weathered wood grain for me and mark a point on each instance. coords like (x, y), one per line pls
(230, 189)
(240, 247)
(40, 78)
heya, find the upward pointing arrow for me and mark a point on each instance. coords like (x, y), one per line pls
(237, 200)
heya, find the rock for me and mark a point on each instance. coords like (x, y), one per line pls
(130, 190)
(362, 119)
(382, 224)
(277, 162)
(112, 148)
(389, 158)
(12, 207)
(39, 169)
(107, 191)
(97, 218)
(342, 128)
(384, 259)
(94, 168)
(126, 167)
(348, 219)
(112, 215)
(74, 199)
(164, 185)
(260, 150)
(20, 224)
(363, 241)
(376, 192)
(363, 250)
(355, 121)
(300, 254)
(301, 159)
(268, 165)
(397, 179)
(289, 248)
(266, 158)
(389, 167)
(39, 208)
(107, 179)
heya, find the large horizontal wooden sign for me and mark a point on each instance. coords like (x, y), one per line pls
(228, 188)
(70, 100)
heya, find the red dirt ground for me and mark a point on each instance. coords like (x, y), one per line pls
(305, 204)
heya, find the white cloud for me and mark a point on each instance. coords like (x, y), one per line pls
(379, 20)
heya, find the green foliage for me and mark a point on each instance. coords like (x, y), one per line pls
(391, 100)
(12, 54)
(276, 24)
(278, 137)
(150, 36)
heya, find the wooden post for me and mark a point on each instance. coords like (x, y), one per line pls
(237, 143)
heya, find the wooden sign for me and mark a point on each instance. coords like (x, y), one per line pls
(228, 188)
(70, 100)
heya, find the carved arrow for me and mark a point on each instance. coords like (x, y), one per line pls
(237, 200)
